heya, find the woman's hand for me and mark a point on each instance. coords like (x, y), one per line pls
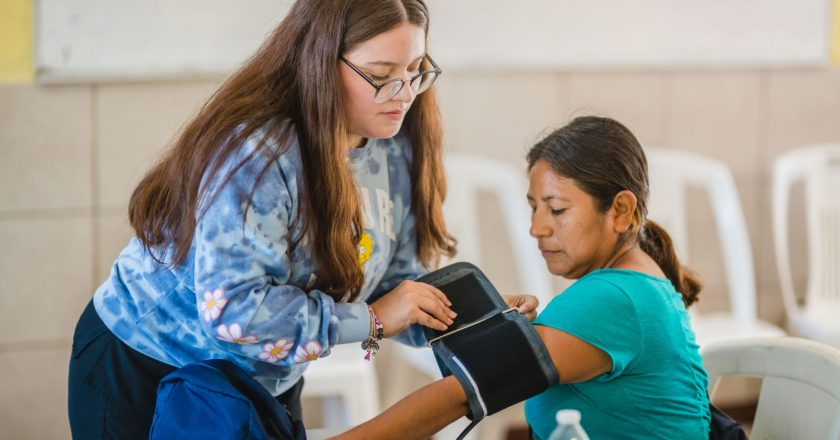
(525, 304)
(412, 302)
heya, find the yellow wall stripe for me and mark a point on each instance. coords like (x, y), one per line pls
(16, 41)
(835, 33)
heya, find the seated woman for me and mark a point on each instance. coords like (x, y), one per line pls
(620, 336)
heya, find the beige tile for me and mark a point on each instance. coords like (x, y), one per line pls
(136, 122)
(751, 193)
(46, 271)
(770, 304)
(500, 115)
(114, 232)
(33, 394)
(497, 247)
(637, 100)
(762, 231)
(450, 101)
(45, 153)
(803, 108)
(716, 114)
(705, 251)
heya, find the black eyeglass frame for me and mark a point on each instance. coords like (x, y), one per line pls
(435, 69)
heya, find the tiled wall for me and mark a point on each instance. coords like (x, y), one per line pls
(70, 155)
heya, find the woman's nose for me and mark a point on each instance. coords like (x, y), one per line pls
(539, 227)
(405, 94)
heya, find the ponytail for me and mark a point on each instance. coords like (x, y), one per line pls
(657, 243)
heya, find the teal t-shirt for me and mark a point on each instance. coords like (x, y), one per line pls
(657, 386)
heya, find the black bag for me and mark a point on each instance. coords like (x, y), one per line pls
(723, 427)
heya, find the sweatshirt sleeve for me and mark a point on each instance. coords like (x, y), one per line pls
(242, 271)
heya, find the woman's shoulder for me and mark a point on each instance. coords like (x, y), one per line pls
(275, 138)
(619, 286)
(275, 142)
(616, 285)
(264, 158)
(594, 286)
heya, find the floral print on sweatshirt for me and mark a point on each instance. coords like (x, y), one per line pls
(247, 294)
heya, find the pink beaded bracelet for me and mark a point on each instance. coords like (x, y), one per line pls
(377, 332)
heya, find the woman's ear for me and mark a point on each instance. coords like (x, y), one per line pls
(623, 207)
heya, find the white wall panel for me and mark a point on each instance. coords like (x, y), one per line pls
(122, 39)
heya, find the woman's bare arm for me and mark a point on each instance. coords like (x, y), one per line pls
(418, 416)
(574, 359)
(431, 408)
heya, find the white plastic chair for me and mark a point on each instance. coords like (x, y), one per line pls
(344, 379)
(819, 168)
(671, 173)
(800, 389)
(467, 177)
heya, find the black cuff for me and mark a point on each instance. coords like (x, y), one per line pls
(493, 351)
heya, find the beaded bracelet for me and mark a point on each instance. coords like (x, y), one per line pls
(377, 332)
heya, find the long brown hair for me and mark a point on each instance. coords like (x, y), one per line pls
(604, 158)
(290, 87)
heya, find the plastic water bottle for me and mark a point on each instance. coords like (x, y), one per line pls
(568, 426)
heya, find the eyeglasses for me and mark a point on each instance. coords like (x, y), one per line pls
(419, 83)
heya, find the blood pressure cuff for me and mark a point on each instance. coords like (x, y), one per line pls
(491, 349)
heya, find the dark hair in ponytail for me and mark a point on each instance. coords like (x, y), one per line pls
(657, 243)
(604, 158)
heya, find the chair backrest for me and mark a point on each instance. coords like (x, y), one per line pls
(818, 167)
(671, 173)
(467, 177)
(800, 390)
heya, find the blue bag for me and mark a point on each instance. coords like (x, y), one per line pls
(217, 399)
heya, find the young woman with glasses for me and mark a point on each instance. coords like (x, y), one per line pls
(290, 215)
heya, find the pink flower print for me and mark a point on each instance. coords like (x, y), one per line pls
(273, 352)
(213, 304)
(234, 334)
(310, 352)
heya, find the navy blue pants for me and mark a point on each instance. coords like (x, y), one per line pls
(112, 387)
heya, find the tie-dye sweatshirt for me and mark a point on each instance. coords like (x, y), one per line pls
(244, 292)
